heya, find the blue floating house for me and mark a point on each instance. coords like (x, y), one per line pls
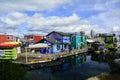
(55, 46)
(63, 38)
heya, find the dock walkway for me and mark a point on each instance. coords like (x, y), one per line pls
(32, 58)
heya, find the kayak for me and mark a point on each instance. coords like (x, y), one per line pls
(10, 44)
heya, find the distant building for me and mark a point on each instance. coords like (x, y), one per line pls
(82, 33)
(6, 38)
(118, 36)
(33, 38)
(92, 33)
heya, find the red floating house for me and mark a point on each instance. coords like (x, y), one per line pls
(6, 38)
(33, 38)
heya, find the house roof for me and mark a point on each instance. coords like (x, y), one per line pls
(61, 33)
(53, 41)
(6, 35)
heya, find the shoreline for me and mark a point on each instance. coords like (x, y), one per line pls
(106, 76)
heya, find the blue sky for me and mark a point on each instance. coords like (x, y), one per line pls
(20, 17)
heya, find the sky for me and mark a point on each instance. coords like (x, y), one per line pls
(20, 17)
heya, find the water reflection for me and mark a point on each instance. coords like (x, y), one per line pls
(108, 59)
(78, 67)
(69, 63)
(98, 58)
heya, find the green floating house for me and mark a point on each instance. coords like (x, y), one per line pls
(78, 42)
(8, 50)
(8, 53)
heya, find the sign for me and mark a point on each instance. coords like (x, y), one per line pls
(2, 53)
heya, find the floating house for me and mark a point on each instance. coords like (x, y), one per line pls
(33, 38)
(8, 50)
(78, 42)
(109, 39)
(83, 41)
(75, 42)
(63, 38)
(55, 46)
(6, 38)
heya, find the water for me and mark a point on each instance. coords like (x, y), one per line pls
(78, 67)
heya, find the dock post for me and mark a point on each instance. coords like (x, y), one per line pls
(26, 55)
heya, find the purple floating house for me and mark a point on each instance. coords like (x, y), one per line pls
(63, 38)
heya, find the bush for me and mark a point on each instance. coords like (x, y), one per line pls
(12, 71)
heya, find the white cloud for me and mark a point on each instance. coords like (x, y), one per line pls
(104, 21)
(43, 25)
(13, 19)
(116, 29)
(33, 5)
(107, 5)
(71, 23)
(54, 23)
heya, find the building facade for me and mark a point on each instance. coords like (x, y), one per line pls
(55, 46)
(33, 38)
(78, 42)
(63, 38)
(6, 38)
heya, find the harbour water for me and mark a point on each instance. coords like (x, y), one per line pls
(78, 67)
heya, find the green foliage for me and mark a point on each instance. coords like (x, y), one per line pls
(108, 46)
(12, 71)
(109, 39)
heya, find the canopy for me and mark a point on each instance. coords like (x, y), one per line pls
(10, 44)
(90, 40)
(39, 45)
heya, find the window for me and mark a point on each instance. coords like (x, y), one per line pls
(72, 39)
(65, 46)
(85, 37)
(66, 38)
(81, 39)
(58, 46)
(9, 38)
(31, 37)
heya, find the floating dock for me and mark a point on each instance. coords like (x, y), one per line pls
(34, 60)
